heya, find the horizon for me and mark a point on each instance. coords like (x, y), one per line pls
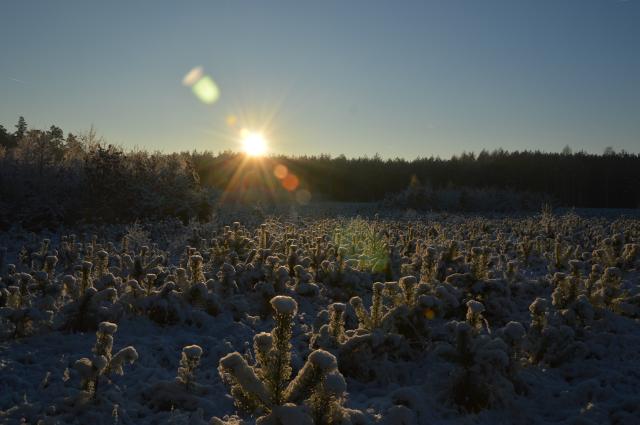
(274, 155)
(354, 79)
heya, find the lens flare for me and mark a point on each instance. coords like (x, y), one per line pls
(280, 171)
(253, 144)
(290, 182)
(206, 90)
(193, 76)
(202, 85)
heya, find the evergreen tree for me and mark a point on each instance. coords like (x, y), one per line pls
(21, 128)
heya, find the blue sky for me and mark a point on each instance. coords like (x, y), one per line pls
(398, 78)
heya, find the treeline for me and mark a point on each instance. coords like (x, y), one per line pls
(610, 180)
(47, 178)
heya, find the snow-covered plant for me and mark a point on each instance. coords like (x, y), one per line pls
(513, 334)
(49, 268)
(329, 326)
(592, 280)
(85, 279)
(278, 370)
(145, 263)
(547, 342)
(565, 291)
(198, 295)
(189, 361)
(71, 287)
(560, 256)
(266, 388)
(25, 320)
(478, 262)
(150, 283)
(326, 401)
(302, 282)
(511, 272)
(474, 315)
(226, 285)
(608, 287)
(314, 396)
(525, 250)
(196, 269)
(408, 285)
(428, 265)
(481, 377)
(630, 255)
(336, 321)
(292, 258)
(38, 258)
(372, 320)
(275, 274)
(89, 310)
(101, 264)
(103, 362)
(165, 306)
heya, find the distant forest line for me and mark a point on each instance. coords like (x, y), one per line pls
(610, 180)
(47, 177)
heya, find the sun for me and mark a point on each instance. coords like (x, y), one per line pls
(253, 143)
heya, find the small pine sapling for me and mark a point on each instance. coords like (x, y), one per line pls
(482, 363)
(609, 287)
(474, 316)
(189, 361)
(547, 343)
(302, 282)
(266, 387)
(103, 362)
(196, 269)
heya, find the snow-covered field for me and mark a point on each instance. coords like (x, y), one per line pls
(407, 320)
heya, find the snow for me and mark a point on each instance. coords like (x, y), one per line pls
(284, 305)
(263, 340)
(108, 327)
(475, 306)
(238, 368)
(192, 351)
(323, 360)
(126, 355)
(334, 383)
(580, 368)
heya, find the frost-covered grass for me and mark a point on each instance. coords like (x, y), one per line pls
(324, 319)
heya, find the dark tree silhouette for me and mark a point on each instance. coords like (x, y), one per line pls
(21, 128)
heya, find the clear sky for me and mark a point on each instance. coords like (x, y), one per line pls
(397, 78)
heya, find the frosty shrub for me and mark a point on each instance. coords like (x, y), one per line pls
(559, 258)
(481, 377)
(550, 342)
(370, 320)
(189, 361)
(302, 282)
(474, 315)
(196, 268)
(608, 287)
(266, 388)
(24, 320)
(103, 362)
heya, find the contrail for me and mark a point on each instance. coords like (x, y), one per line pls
(17, 81)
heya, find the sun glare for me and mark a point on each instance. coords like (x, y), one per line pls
(253, 144)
